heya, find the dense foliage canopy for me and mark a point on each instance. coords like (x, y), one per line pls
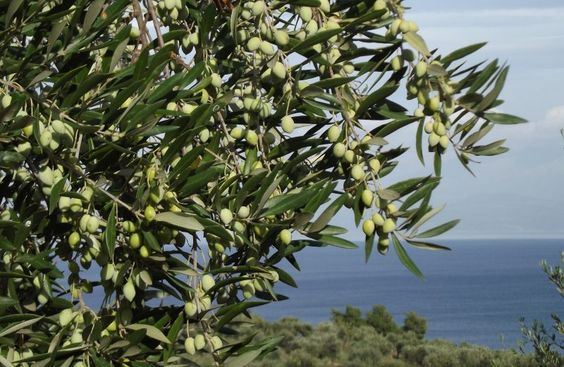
(168, 156)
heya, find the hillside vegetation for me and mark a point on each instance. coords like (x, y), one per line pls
(353, 340)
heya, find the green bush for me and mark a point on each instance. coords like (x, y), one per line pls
(381, 320)
(416, 324)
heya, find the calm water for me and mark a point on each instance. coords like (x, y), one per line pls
(475, 293)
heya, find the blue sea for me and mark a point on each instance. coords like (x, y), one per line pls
(475, 293)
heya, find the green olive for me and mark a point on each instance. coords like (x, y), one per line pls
(226, 216)
(281, 37)
(287, 124)
(443, 141)
(378, 219)
(368, 227)
(367, 198)
(285, 237)
(199, 342)
(129, 290)
(357, 172)
(388, 226)
(207, 282)
(6, 101)
(253, 44)
(150, 213)
(339, 150)
(252, 137)
(66, 316)
(190, 346)
(74, 240)
(190, 309)
(258, 7)
(135, 240)
(144, 252)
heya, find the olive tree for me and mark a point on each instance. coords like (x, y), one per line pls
(159, 160)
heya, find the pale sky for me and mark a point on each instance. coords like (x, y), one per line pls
(521, 193)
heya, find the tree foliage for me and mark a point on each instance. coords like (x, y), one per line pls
(163, 155)
(548, 343)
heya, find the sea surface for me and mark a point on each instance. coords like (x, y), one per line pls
(475, 293)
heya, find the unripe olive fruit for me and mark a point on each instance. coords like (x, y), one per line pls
(374, 165)
(434, 139)
(169, 4)
(305, 13)
(237, 132)
(252, 137)
(258, 8)
(324, 6)
(64, 203)
(281, 37)
(144, 252)
(6, 101)
(267, 48)
(404, 26)
(45, 175)
(333, 133)
(357, 172)
(150, 213)
(391, 209)
(388, 226)
(194, 38)
(74, 239)
(190, 309)
(87, 193)
(378, 219)
(134, 32)
(434, 104)
(129, 226)
(243, 212)
(207, 282)
(421, 69)
(395, 26)
(135, 240)
(383, 245)
(253, 44)
(367, 197)
(368, 227)
(129, 290)
(216, 80)
(349, 156)
(205, 303)
(66, 316)
(339, 150)
(428, 127)
(190, 346)
(279, 70)
(92, 225)
(199, 342)
(397, 63)
(443, 141)
(188, 108)
(226, 216)
(379, 5)
(24, 148)
(216, 343)
(439, 128)
(285, 236)
(288, 124)
(171, 106)
(27, 130)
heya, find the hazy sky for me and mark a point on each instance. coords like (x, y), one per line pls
(519, 194)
